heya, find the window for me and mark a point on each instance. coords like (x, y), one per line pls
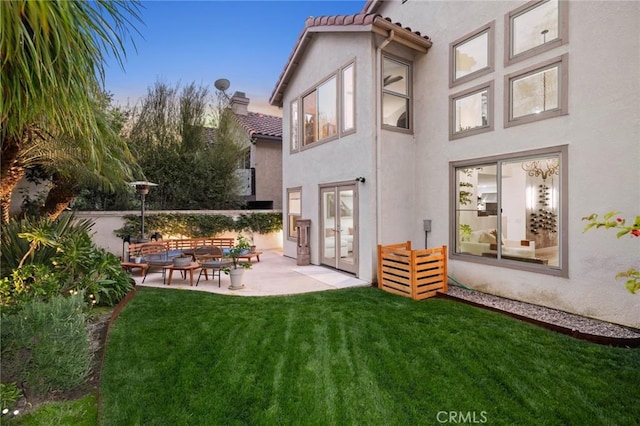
(320, 111)
(325, 112)
(294, 210)
(537, 93)
(395, 94)
(309, 113)
(511, 210)
(472, 55)
(471, 111)
(295, 142)
(348, 99)
(536, 27)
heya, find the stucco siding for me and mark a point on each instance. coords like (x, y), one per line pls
(268, 164)
(337, 160)
(601, 132)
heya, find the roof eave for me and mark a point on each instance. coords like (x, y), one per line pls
(380, 26)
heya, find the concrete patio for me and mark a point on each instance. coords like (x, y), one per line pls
(274, 275)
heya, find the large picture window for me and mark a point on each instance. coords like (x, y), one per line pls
(396, 99)
(471, 111)
(537, 93)
(511, 211)
(320, 112)
(472, 55)
(535, 27)
(325, 112)
(294, 210)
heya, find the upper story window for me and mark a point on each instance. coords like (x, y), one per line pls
(537, 26)
(324, 112)
(537, 92)
(396, 94)
(348, 99)
(320, 112)
(295, 138)
(471, 111)
(472, 55)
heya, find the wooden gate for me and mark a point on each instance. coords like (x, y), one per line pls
(418, 274)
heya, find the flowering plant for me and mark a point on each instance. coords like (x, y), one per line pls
(612, 220)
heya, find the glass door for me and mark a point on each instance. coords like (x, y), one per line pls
(338, 237)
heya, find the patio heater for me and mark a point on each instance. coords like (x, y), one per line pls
(142, 188)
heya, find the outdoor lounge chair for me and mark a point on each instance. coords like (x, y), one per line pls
(155, 255)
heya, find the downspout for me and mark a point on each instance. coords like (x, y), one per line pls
(378, 134)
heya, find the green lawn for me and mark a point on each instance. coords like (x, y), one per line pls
(357, 356)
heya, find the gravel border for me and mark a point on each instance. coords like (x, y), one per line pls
(574, 323)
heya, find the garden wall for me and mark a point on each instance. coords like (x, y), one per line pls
(105, 223)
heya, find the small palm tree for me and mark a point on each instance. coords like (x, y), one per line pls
(53, 55)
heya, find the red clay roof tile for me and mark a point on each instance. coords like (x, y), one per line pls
(363, 19)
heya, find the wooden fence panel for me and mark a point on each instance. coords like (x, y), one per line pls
(418, 274)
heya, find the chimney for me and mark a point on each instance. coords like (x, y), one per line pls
(240, 103)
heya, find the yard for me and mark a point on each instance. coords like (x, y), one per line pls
(357, 356)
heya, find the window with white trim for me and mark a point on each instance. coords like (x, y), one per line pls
(294, 210)
(396, 94)
(537, 93)
(510, 210)
(471, 111)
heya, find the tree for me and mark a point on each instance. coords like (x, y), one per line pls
(53, 55)
(109, 166)
(193, 165)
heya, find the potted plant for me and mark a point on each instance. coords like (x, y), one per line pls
(465, 232)
(236, 271)
(135, 256)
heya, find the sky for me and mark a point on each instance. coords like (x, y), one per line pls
(246, 42)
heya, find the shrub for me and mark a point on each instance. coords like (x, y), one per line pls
(18, 236)
(53, 258)
(612, 220)
(46, 344)
(201, 225)
(261, 223)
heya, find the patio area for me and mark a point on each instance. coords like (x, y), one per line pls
(273, 275)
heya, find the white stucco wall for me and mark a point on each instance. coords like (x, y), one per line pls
(105, 223)
(340, 160)
(601, 132)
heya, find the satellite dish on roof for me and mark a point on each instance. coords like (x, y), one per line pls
(222, 84)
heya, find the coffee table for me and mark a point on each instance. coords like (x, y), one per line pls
(187, 268)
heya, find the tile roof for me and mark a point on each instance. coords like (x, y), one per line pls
(258, 124)
(360, 21)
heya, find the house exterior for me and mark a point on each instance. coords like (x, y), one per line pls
(262, 172)
(497, 126)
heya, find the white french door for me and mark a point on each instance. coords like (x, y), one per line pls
(338, 227)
